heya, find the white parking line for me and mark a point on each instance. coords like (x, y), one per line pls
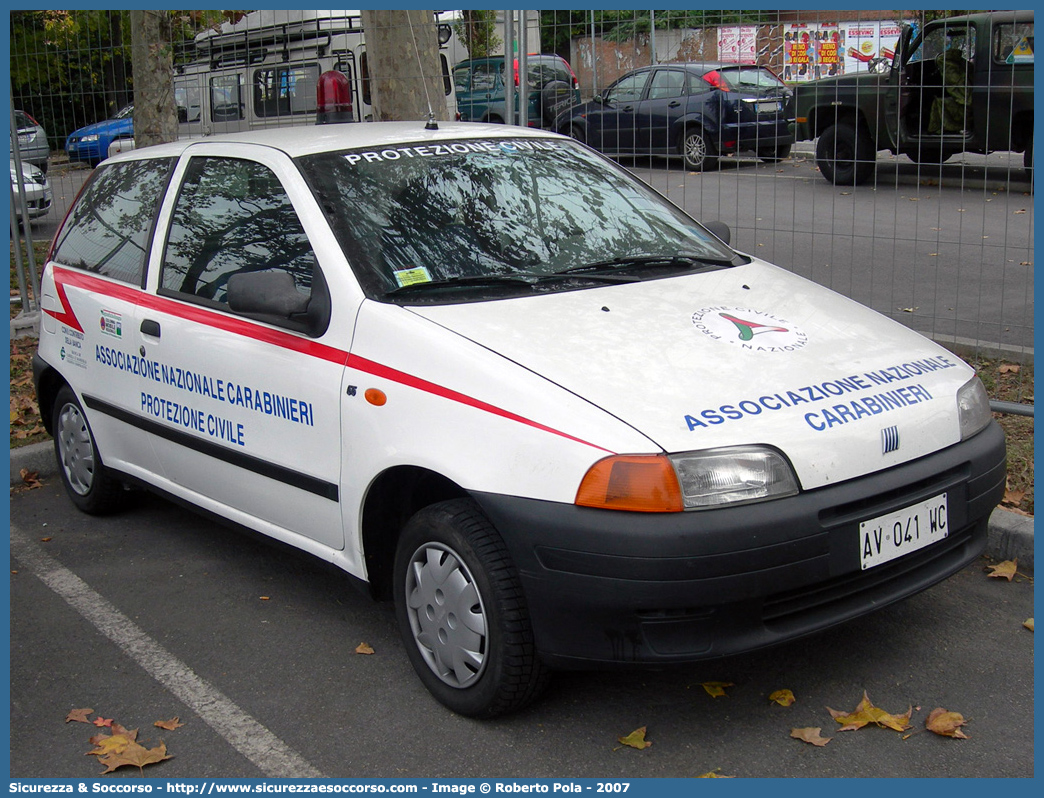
(270, 754)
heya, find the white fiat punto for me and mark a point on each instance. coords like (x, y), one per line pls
(499, 380)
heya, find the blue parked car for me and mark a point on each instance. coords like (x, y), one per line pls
(91, 143)
(696, 111)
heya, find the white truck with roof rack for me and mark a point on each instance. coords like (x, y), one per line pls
(263, 70)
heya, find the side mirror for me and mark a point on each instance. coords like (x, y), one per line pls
(272, 293)
(720, 229)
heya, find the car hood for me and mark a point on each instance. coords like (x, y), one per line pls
(746, 355)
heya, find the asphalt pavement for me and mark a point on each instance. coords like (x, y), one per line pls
(156, 613)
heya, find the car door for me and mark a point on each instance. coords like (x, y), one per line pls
(612, 123)
(244, 405)
(662, 106)
(89, 318)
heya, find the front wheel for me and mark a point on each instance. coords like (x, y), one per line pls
(845, 156)
(698, 150)
(88, 482)
(461, 612)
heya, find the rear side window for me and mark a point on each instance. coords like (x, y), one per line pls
(232, 215)
(108, 231)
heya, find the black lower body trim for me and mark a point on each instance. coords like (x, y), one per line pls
(320, 487)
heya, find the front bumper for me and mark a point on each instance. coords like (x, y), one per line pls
(611, 587)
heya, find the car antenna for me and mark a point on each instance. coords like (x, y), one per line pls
(431, 124)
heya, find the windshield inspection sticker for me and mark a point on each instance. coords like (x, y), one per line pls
(420, 274)
(749, 329)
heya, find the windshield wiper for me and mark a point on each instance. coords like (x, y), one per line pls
(640, 261)
(529, 279)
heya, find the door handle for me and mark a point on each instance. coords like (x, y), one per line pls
(673, 104)
(150, 328)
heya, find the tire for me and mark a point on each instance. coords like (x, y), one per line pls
(461, 612)
(577, 133)
(774, 154)
(845, 158)
(90, 485)
(555, 98)
(698, 150)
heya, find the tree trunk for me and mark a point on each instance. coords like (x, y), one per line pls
(402, 53)
(155, 114)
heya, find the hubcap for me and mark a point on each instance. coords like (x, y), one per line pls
(446, 615)
(75, 449)
(695, 150)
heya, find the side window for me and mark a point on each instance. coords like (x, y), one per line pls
(667, 83)
(226, 101)
(232, 216)
(1013, 44)
(447, 84)
(108, 230)
(628, 89)
(484, 76)
(285, 90)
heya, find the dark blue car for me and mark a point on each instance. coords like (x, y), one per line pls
(696, 111)
(91, 143)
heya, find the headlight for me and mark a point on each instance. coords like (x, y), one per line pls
(90, 137)
(733, 475)
(693, 480)
(973, 408)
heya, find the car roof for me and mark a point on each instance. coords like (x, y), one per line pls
(699, 67)
(307, 140)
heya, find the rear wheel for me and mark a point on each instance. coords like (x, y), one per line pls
(461, 612)
(88, 482)
(845, 157)
(577, 133)
(698, 150)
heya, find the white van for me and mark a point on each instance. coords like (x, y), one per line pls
(263, 70)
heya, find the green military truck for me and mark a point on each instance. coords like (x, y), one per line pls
(961, 84)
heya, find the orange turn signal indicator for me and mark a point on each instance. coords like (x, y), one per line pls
(376, 397)
(639, 483)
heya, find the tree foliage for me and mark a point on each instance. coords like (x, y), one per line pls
(477, 30)
(70, 68)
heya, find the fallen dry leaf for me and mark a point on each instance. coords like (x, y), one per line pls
(1008, 368)
(135, 755)
(1004, 570)
(364, 648)
(79, 715)
(636, 739)
(1028, 623)
(810, 735)
(169, 725)
(867, 713)
(102, 721)
(110, 744)
(716, 689)
(714, 774)
(31, 478)
(783, 697)
(1013, 497)
(946, 723)
(264, 598)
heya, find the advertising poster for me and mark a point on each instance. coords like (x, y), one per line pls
(737, 43)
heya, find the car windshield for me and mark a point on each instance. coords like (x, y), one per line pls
(520, 212)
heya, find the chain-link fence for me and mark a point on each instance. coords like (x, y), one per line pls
(884, 154)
